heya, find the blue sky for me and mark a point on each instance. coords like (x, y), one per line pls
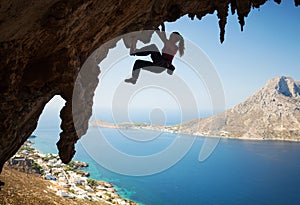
(268, 47)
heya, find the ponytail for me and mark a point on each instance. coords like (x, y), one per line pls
(181, 44)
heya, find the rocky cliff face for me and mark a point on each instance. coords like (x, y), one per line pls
(43, 45)
(273, 112)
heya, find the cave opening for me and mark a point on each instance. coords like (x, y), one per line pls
(230, 56)
(48, 128)
(235, 60)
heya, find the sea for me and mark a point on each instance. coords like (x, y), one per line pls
(237, 171)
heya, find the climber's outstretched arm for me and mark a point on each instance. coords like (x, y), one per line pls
(162, 33)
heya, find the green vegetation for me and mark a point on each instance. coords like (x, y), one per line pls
(92, 182)
(78, 171)
(51, 156)
(46, 159)
(71, 163)
(37, 167)
(72, 191)
(27, 148)
(69, 168)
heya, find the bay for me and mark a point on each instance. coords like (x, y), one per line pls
(237, 172)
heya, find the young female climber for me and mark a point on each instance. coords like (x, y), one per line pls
(160, 61)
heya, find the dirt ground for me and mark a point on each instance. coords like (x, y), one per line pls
(30, 189)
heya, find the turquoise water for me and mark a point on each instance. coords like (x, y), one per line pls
(238, 171)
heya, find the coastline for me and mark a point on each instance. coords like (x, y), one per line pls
(243, 138)
(251, 138)
(169, 129)
(67, 180)
(236, 149)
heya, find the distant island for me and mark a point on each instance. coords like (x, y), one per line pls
(271, 113)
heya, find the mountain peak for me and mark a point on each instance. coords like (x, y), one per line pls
(285, 86)
(273, 112)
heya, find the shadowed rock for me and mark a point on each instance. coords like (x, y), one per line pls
(44, 44)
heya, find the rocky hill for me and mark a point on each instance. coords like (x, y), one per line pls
(24, 188)
(273, 112)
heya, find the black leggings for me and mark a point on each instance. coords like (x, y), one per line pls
(158, 64)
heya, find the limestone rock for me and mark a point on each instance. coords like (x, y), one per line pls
(273, 112)
(43, 45)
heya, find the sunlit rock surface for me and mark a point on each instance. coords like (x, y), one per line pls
(271, 113)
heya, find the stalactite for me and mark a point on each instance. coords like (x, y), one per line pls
(233, 6)
(277, 1)
(241, 21)
(222, 15)
(243, 9)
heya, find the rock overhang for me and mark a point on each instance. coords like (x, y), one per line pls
(43, 45)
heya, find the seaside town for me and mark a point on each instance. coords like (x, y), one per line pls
(66, 180)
